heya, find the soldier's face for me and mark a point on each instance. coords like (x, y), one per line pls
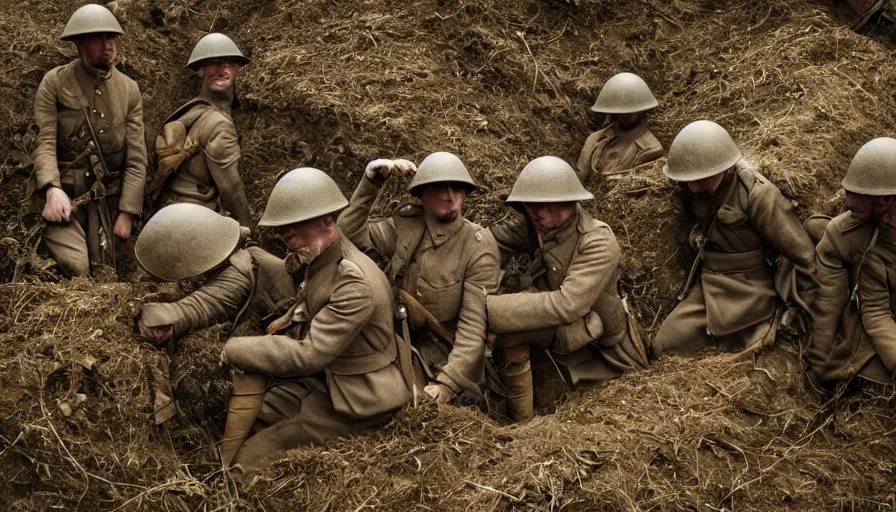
(443, 201)
(862, 206)
(627, 121)
(219, 75)
(547, 216)
(309, 238)
(706, 185)
(98, 50)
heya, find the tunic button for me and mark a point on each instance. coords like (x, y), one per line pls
(98, 92)
(554, 269)
(101, 130)
(419, 295)
(102, 116)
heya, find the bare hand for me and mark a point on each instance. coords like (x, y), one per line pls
(58, 207)
(383, 168)
(490, 339)
(440, 393)
(123, 225)
(157, 335)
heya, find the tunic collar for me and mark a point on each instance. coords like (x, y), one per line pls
(440, 232)
(222, 100)
(331, 254)
(94, 73)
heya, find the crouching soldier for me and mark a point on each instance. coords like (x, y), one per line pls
(443, 264)
(854, 244)
(90, 157)
(571, 307)
(627, 142)
(198, 150)
(730, 297)
(338, 367)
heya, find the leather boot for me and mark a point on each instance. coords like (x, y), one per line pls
(242, 409)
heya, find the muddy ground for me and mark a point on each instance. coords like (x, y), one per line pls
(335, 84)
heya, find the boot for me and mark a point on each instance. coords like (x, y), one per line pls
(242, 409)
(517, 379)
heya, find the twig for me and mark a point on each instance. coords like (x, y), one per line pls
(535, 78)
(43, 410)
(492, 489)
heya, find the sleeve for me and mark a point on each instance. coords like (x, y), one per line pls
(134, 175)
(46, 167)
(771, 215)
(331, 331)
(833, 290)
(467, 358)
(877, 316)
(512, 236)
(355, 221)
(583, 164)
(218, 300)
(222, 156)
(649, 155)
(593, 268)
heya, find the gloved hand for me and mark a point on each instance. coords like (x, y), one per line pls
(440, 393)
(382, 168)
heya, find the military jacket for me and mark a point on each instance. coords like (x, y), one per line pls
(449, 268)
(350, 340)
(573, 289)
(610, 150)
(838, 258)
(254, 281)
(211, 175)
(115, 107)
(877, 280)
(753, 227)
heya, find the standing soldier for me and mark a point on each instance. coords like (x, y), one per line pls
(744, 223)
(570, 307)
(90, 158)
(339, 366)
(199, 143)
(444, 263)
(840, 348)
(627, 142)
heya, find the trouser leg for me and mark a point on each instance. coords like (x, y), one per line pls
(67, 245)
(684, 330)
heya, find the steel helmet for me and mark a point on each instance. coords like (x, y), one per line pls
(547, 179)
(300, 195)
(625, 93)
(184, 240)
(215, 46)
(700, 150)
(440, 167)
(873, 170)
(90, 19)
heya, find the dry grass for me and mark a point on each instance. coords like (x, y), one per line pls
(335, 84)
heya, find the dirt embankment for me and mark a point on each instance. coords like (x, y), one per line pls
(335, 84)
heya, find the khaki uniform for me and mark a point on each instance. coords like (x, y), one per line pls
(254, 281)
(342, 375)
(735, 301)
(210, 177)
(877, 279)
(573, 293)
(449, 268)
(839, 347)
(116, 109)
(610, 149)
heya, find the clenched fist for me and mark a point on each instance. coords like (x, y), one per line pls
(382, 168)
(58, 207)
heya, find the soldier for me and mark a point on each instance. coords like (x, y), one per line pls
(571, 307)
(839, 347)
(744, 221)
(627, 142)
(199, 143)
(877, 280)
(184, 241)
(442, 260)
(90, 158)
(339, 366)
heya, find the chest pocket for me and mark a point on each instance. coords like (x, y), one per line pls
(442, 297)
(731, 216)
(70, 114)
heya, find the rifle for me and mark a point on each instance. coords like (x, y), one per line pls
(105, 244)
(701, 242)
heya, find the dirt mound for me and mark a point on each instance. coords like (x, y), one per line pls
(335, 84)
